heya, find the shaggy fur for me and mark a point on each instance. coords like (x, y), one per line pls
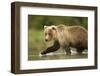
(66, 37)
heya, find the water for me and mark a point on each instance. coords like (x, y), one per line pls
(56, 56)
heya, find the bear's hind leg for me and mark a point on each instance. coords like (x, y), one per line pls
(80, 51)
(68, 50)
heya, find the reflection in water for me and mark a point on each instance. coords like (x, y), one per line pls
(62, 56)
(54, 56)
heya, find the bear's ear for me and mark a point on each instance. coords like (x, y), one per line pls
(45, 26)
(54, 27)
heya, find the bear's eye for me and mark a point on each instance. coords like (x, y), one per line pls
(45, 34)
(48, 34)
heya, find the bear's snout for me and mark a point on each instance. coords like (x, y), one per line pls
(46, 40)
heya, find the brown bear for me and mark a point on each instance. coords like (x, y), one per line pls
(66, 37)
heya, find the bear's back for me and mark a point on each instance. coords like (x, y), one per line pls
(72, 29)
(76, 29)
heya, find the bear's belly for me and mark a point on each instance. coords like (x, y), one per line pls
(78, 46)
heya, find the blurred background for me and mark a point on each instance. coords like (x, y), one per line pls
(36, 43)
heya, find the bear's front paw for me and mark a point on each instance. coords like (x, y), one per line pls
(42, 54)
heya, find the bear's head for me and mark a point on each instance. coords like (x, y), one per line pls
(50, 32)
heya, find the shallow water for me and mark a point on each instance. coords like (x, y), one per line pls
(56, 56)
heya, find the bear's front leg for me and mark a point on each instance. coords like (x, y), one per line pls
(53, 48)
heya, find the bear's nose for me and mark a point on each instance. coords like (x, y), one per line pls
(46, 39)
